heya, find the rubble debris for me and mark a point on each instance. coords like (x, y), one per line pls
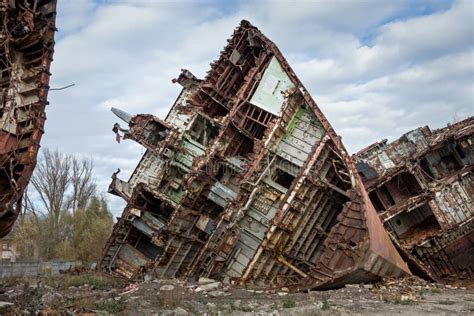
(26, 52)
(246, 181)
(422, 186)
(402, 295)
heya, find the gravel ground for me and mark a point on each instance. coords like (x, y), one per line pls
(90, 293)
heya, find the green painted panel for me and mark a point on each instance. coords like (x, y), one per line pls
(268, 95)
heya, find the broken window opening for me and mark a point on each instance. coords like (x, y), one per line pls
(411, 183)
(283, 178)
(207, 207)
(202, 130)
(459, 150)
(228, 176)
(443, 162)
(400, 188)
(143, 244)
(414, 226)
(376, 201)
(385, 196)
(239, 145)
(425, 166)
(150, 203)
(154, 132)
(253, 120)
(211, 107)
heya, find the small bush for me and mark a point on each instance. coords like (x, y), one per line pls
(422, 292)
(99, 282)
(246, 308)
(326, 305)
(435, 290)
(111, 306)
(398, 300)
(289, 302)
(446, 302)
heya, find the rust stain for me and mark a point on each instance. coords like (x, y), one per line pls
(246, 181)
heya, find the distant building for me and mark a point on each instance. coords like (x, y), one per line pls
(8, 248)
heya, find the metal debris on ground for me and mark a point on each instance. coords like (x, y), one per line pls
(245, 181)
(26, 51)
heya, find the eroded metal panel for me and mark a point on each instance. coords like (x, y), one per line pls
(269, 93)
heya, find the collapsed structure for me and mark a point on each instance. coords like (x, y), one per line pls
(422, 186)
(246, 180)
(26, 49)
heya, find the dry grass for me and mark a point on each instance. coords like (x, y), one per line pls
(169, 299)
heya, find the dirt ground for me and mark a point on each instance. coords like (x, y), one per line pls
(90, 293)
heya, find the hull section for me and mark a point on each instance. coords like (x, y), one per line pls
(26, 53)
(246, 181)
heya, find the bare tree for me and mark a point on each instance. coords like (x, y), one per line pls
(61, 184)
(51, 181)
(83, 186)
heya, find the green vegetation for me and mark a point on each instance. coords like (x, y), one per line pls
(422, 292)
(111, 306)
(289, 302)
(246, 308)
(398, 300)
(435, 290)
(326, 304)
(99, 282)
(64, 217)
(446, 302)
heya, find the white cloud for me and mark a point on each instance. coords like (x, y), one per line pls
(376, 68)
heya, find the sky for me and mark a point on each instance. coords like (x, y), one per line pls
(376, 69)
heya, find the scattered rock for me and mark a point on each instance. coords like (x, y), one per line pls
(205, 280)
(352, 286)
(368, 286)
(180, 312)
(167, 287)
(6, 307)
(51, 298)
(208, 287)
(148, 277)
(217, 293)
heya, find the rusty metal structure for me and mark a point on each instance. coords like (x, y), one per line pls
(422, 186)
(246, 181)
(27, 30)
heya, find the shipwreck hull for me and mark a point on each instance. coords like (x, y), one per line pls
(422, 186)
(246, 181)
(27, 36)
